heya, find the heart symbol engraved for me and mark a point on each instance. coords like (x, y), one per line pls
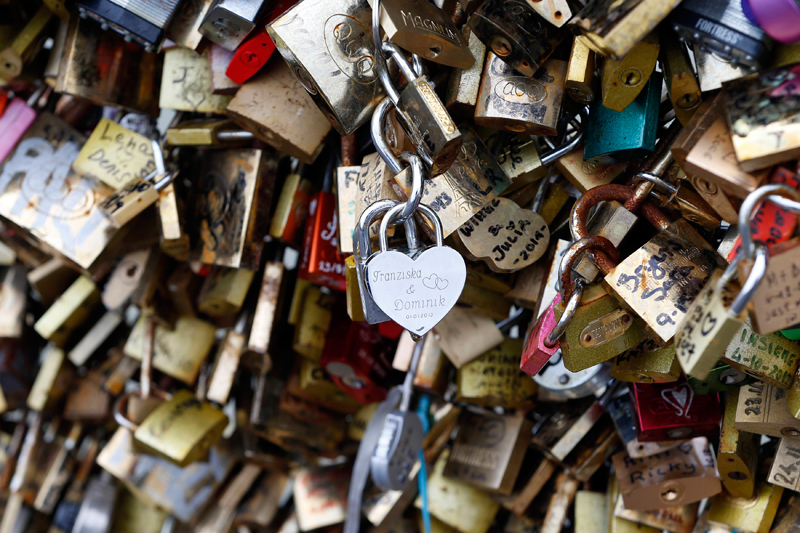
(680, 398)
(442, 272)
(431, 281)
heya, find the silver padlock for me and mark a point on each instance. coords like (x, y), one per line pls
(229, 22)
(422, 115)
(416, 291)
(401, 436)
(561, 383)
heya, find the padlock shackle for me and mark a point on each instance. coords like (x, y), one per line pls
(361, 243)
(750, 286)
(577, 138)
(750, 205)
(380, 60)
(393, 51)
(121, 405)
(575, 250)
(377, 126)
(569, 313)
(411, 228)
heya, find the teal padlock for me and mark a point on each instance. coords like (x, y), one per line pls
(614, 137)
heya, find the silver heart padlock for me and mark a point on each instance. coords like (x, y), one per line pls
(415, 291)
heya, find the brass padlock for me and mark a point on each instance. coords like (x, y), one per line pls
(519, 103)
(477, 456)
(347, 100)
(784, 467)
(315, 319)
(52, 381)
(762, 409)
(174, 239)
(224, 291)
(292, 125)
(517, 33)
(226, 363)
(581, 81)
(186, 83)
(320, 496)
(647, 363)
(266, 311)
(752, 513)
(737, 453)
(676, 519)
(773, 359)
(682, 86)
(622, 80)
(222, 133)
(292, 209)
(463, 85)
(495, 378)
(61, 320)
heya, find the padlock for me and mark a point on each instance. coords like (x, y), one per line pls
(17, 118)
(580, 82)
(68, 312)
(752, 127)
(261, 505)
(737, 453)
(519, 103)
(762, 409)
(13, 301)
(184, 30)
(784, 467)
(488, 451)
(315, 319)
(292, 125)
(494, 378)
(131, 80)
(672, 411)
(675, 264)
(579, 441)
(315, 386)
(254, 53)
(321, 262)
(538, 348)
(622, 80)
(720, 27)
(704, 149)
(374, 182)
(347, 100)
(771, 358)
(226, 363)
(201, 132)
(565, 489)
(124, 205)
(420, 296)
(463, 86)
(424, 30)
(682, 86)
(67, 509)
(516, 33)
(726, 206)
(186, 83)
(320, 496)
(178, 353)
(722, 378)
(681, 475)
(266, 310)
(97, 508)
(346, 184)
(173, 239)
(52, 380)
(613, 29)
(465, 335)
(458, 505)
(751, 513)
(59, 470)
(628, 135)
(670, 194)
(87, 401)
(133, 280)
(235, 189)
(422, 115)
(620, 408)
(585, 175)
(676, 519)
(356, 359)
(616, 524)
(611, 221)
(23, 47)
(146, 27)
(228, 22)
(224, 291)
(647, 363)
(713, 71)
(292, 208)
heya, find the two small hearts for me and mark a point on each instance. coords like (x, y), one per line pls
(435, 282)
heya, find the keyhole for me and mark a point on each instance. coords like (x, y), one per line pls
(669, 495)
(631, 77)
(501, 46)
(688, 101)
(434, 51)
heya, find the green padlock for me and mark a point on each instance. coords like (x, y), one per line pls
(722, 377)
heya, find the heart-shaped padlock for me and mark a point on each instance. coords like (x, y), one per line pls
(416, 292)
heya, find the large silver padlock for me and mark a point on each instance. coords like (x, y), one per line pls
(362, 251)
(416, 291)
(422, 115)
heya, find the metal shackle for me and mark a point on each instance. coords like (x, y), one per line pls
(394, 213)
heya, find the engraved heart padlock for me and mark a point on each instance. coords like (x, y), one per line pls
(417, 291)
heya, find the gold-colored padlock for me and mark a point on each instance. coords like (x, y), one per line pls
(186, 83)
(463, 86)
(682, 86)
(622, 80)
(224, 291)
(737, 453)
(647, 363)
(68, 312)
(580, 83)
(785, 465)
(771, 358)
(494, 378)
(52, 381)
(315, 319)
(754, 513)
(762, 409)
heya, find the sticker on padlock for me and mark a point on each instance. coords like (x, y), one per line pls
(415, 291)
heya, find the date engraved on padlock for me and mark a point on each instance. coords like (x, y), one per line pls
(785, 469)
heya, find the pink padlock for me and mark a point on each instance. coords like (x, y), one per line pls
(537, 350)
(779, 18)
(16, 120)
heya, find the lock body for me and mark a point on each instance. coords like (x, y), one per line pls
(348, 100)
(622, 80)
(647, 363)
(721, 378)
(172, 217)
(721, 28)
(674, 264)
(356, 359)
(713, 71)
(580, 83)
(480, 459)
(682, 86)
(521, 104)
(536, 353)
(228, 22)
(494, 378)
(143, 24)
(672, 411)
(611, 221)
(600, 330)
(316, 313)
(772, 358)
(784, 466)
(754, 513)
(464, 84)
(321, 263)
(516, 33)
(585, 175)
(628, 135)
(224, 291)
(763, 409)
(737, 453)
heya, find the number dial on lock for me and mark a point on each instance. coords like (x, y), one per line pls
(505, 236)
(397, 449)
(417, 293)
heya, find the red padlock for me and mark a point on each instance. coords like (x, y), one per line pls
(536, 352)
(322, 264)
(256, 51)
(356, 357)
(672, 411)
